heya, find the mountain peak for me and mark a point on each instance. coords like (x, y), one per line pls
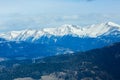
(112, 24)
(69, 26)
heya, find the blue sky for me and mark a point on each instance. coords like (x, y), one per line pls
(22, 14)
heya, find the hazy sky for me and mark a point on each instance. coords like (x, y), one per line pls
(22, 14)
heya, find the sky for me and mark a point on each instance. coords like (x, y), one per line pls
(36, 14)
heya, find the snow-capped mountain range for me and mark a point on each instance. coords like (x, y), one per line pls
(92, 31)
(60, 40)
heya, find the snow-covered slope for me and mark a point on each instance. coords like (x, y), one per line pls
(102, 29)
(89, 31)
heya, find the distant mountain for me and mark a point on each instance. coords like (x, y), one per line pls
(61, 40)
(92, 31)
(97, 64)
